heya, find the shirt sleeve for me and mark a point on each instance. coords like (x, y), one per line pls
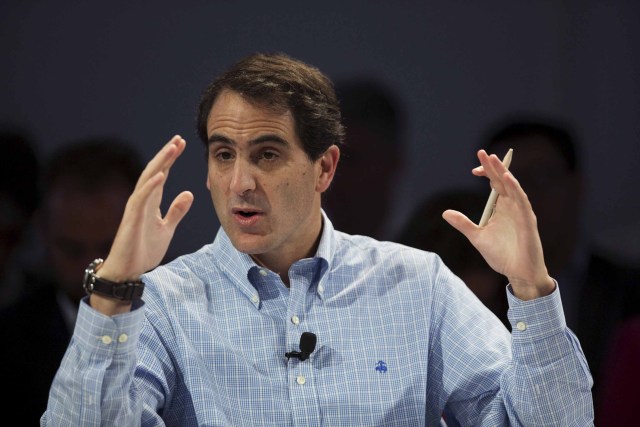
(95, 381)
(548, 381)
(537, 376)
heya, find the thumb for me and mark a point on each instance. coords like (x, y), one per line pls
(179, 208)
(460, 222)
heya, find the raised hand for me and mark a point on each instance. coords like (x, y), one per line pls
(509, 242)
(144, 234)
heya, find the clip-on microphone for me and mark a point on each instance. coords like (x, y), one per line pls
(307, 345)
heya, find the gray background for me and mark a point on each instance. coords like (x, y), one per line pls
(136, 69)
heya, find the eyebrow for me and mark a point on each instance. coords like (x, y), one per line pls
(262, 139)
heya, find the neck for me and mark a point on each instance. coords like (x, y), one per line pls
(281, 263)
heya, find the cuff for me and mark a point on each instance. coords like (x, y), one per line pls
(535, 319)
(108, 336)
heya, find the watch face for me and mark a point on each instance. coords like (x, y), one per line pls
(86, 283)
(127, 291)
(89, 278)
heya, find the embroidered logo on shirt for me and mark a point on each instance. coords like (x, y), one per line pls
(381, 366)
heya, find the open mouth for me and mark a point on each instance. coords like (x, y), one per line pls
(246, 214)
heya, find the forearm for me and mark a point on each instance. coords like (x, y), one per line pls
(95, 381)
(538, 376)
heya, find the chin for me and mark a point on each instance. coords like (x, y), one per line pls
(250, 244)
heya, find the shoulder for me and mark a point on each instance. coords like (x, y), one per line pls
(185, 275)
(389, 264)
(383, 253)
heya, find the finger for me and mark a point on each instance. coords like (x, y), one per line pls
(180, 144)
(493, 169)
(460, 222)
(163, 160)
(141, 195)
(178, 209)
(513, 188)
(478, 171)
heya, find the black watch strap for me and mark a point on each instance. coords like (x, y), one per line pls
(127, 291)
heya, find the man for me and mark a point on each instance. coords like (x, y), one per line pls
(85, 188)
(400, 339)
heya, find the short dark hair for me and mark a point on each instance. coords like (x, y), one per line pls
(94, 162)
(282, 83)
(555, 132)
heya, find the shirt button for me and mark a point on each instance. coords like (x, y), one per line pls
(255, 299)
(295, 319)
(320, 289)
(263, 272)
(301, 380)
(521, 326)
(106, 339)
(123, 338)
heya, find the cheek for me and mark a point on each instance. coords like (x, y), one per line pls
(297, 191)
(215, 182)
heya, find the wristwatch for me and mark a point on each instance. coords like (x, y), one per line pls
(127, 291)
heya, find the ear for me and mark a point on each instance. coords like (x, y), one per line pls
(327, 164)
(208, 184)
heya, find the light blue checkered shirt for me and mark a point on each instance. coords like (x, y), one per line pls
(400, 342)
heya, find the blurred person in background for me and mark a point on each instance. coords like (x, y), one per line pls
(85, 188)
(19, 196)
(361, 202)
(598, 292)
(617, 404)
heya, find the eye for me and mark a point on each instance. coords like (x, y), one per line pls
(269, 155)
(223, 155)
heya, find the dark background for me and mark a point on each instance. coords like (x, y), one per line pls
(136, 70)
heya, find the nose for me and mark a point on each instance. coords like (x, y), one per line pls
(242, 179)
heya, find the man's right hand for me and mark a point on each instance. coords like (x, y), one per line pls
(144, 234)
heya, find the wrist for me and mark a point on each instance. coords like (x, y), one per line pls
(94, 283)
(106, 270)
(525, 290)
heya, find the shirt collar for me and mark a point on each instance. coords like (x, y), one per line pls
(238, 265)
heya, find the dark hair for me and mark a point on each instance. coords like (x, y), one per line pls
(282, 83)
(19, 169)
(556, 133)
(94, 162)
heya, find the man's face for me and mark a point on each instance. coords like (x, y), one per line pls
(80, 226)
(265, 189)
